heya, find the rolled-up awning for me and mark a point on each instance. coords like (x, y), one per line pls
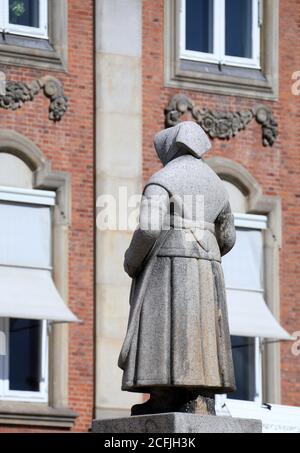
(249, 316)
(31, 294)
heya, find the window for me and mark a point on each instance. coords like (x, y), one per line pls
(247, 360)
(24, 366)
(221, 31)
(25, 170)
(249, 317)
(253, 314)
(28, 297)
(25, 17)
(243, 270)
(223, 46)
(25, 248)
(34, 33)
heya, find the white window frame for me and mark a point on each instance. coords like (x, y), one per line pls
(37, 197)
(218, 56)
(40, 32)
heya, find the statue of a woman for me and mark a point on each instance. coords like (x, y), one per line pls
(177, 346)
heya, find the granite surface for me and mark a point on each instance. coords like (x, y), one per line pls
(177, 423)
(178, 334)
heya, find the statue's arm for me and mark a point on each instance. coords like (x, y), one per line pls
(153, 212)
(225, 230)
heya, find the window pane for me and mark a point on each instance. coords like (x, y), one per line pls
(243, 266)
(243, 351)
(24, 12)
(199, 25)
(24, 354)
(19, 224)
(239, 28)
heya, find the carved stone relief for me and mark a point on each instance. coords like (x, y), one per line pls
(17, 93)
(223, 125)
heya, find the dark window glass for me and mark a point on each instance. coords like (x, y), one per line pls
(199, 25)
(238, 28)
(24, 12)
(243, 351)
(24, 354)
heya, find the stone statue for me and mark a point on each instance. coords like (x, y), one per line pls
(177, 347)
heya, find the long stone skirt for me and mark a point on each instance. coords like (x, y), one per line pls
(182, 335)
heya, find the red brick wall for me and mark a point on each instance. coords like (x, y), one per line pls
(276, 169)
(69, 146)
(289, 109)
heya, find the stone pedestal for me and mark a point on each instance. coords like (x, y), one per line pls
(177, 423)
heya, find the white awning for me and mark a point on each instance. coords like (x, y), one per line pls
(249, 316)
(27, 196)
(27, 290)
(31, 294)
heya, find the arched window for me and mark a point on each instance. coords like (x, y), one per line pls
(33, 219)
(252, 290)
(244, 277)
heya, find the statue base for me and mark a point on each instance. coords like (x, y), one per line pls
(177, 422)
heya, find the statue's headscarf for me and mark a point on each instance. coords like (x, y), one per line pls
(187, 136)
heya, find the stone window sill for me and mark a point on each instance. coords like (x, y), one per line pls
(31, 414)
(29, 52)
(228, 80)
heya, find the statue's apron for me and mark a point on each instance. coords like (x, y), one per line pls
(137, 292)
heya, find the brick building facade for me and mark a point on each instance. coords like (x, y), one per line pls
(120, 63)
(271, 167)
(68, 146)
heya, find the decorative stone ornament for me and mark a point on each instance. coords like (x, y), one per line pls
(223, 125)
(17, 93)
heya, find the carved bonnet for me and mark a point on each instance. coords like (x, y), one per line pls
(187, 135)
